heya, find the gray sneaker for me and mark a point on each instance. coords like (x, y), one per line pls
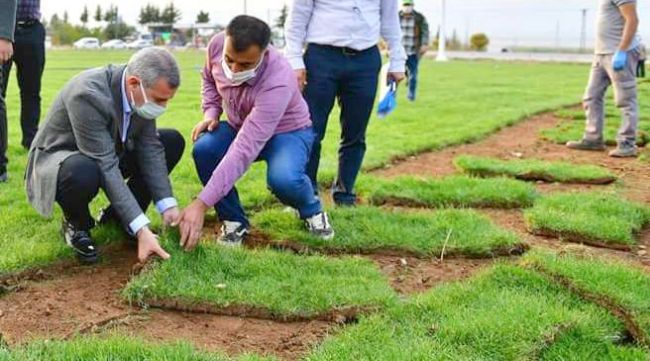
(624, 151)
(587, 145)
(319, 226)
(233, 234)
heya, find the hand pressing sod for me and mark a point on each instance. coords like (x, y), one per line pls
(148, 245)
(190, 224)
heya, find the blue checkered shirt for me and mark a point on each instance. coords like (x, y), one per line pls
(28, 10)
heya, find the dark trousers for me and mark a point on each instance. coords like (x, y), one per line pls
(29, 56)
(350, 77)
(412, 64)
(4, 132)
(640, 69)
(80, 179)
(285, 154)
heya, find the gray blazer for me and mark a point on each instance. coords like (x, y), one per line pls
(86, 118)
(7, 19)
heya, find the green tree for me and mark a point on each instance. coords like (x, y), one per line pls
(149, 14)
(479, 42)
(170, 15)
(84, 16)
(98, 14)
(118, 30)
(282, 18)
(111, 14)
(203, 17)
(65, 17)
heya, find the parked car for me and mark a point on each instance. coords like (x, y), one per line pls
(140, 44)
(86, 43)
(114, 44)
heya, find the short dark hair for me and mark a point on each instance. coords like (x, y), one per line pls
(245, 31)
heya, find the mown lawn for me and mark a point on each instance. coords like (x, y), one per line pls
(459, 102)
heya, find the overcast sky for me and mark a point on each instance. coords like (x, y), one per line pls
(507, 22)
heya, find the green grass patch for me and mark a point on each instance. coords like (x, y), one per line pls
(111, 349)
(572, 125)
(371, 230)
(620, 287)
(261, 283)
(457, 191)
(461, 101)
(507, 313)
(599, 219)
(534, 170)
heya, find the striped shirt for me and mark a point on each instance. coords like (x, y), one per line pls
(408, 34)
(28, 10)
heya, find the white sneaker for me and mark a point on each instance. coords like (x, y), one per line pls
(319, 226)
(233, 234)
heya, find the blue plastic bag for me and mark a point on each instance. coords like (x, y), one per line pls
(388, 102)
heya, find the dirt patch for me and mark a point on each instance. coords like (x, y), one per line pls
(543, 177)
(410, 275)
(522, 141)
(414, 203)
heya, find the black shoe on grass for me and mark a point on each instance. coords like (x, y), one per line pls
(81, 243)
(233, 234)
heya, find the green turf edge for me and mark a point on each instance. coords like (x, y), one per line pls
(261, 283)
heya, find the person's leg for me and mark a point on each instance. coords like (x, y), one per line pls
(594, 99)
(357, 98)
(174, 145)
(286, 156)
(412, 63)
(323, 69)
(78, 183)
(208, 152)
(29, 57)
(625, 95)
(4, 132)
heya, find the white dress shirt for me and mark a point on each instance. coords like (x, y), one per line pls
(356, 24)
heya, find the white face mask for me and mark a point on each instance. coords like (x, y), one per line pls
(241, 77)
(408, 9)
(148, 110)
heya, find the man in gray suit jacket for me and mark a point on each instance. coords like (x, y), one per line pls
(7, 25)
(101, 130)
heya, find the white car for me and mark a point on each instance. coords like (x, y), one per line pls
(86, 43)
(140, 44)
(114, 44)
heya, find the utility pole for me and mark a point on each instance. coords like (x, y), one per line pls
(245, 7)
(557, 35)
(583, 32)
(442, 41)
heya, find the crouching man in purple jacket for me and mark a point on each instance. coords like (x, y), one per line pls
(268, 120)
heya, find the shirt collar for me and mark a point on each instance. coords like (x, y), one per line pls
(126, 107)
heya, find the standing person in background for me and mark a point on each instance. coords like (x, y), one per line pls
(29, 56)
(640, 69)
(615, 62)
(7, 25)
(342, 61)
(415, 32)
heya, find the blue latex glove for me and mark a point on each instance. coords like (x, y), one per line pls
(389, 102)
(620, 60)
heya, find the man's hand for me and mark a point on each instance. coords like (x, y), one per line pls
(424, 49)
(619, 61)
(191, 224)
(301, 76)
(171, 216)
(396, 77)
(208, 124)
(6, 50)
(148, 246)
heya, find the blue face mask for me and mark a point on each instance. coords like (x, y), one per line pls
(148, 110)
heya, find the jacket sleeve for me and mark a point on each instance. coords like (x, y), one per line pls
(296, 31)
(426, 35)
(91, 131)
(211, 99)
(7, 19)
(391, 31)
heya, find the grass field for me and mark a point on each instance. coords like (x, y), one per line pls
(506, 312)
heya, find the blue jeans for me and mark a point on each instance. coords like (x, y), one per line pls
(285, 155)
(352, 78)
(412, 63)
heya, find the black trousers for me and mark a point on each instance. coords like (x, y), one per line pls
(29, 56)
(640, 69)
(80, 179)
